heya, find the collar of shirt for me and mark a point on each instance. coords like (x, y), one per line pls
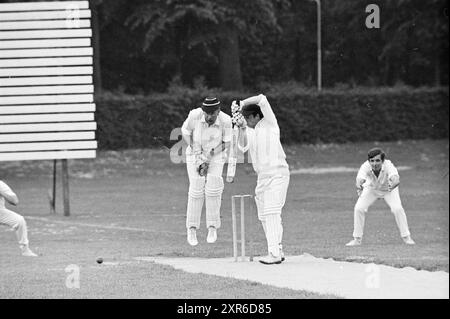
(379, 174)
(216, 123)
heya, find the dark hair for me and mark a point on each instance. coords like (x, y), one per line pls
(252, 109)
(376, 151)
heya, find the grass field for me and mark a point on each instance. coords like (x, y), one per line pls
(132, 203)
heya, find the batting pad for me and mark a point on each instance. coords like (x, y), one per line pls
(213, 199)
(196, 198)
(197, 187)
(273, 227)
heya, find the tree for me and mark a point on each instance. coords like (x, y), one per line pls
(409, 47)
(216, 26)
(416, 39)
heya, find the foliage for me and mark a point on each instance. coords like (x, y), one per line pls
(200, 20)
(304, 115)
(196, 27)
(277, 43)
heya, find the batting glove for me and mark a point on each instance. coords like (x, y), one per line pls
(236, 115)
(359, 191)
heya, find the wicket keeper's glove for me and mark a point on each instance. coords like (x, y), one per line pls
(359, 191)
(203, 169)
(202, 163)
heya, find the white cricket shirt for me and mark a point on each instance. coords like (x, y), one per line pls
(204, 135)
(379, 183)
(267, 154)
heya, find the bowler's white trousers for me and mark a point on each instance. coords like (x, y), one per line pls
(16, 222)
(270, 197)
(367, 198)
(206, 189)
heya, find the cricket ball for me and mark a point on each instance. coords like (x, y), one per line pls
(99, 260)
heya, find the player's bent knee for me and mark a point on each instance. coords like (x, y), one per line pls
(262, 215)
(197, 187)
(214, 185)
(19, 222)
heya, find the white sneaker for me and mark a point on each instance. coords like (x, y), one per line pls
(212, 235)
(270, 260)
(408, 240)
(26, 251)
(354, 242)
(192, 236)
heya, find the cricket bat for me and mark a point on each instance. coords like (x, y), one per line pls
(232, 158)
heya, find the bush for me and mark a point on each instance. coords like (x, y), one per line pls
(304, 115)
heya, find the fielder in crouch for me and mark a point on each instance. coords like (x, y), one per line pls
(262, 139)
(14, 220)
(378, 178)
(207, 131)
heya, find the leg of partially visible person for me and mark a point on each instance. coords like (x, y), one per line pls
(213, 198)
(395, 204)
(18, 223)
(196, 197)
(365, 200)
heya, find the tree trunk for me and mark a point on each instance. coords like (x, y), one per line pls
(437, 70)
(229, 63)
(389, 75)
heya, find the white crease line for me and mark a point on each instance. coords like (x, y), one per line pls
(102, 226)
(336, 169)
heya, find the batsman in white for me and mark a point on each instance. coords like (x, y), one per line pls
(262, 139)
(14, 220)
(378, 178)
(207, 131)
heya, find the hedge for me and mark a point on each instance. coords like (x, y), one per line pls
(304, 116)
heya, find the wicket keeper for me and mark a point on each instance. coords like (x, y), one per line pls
(262, 140)
(207, 131)
(378, 178)
(14, 220)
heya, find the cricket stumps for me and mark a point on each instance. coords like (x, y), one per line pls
(241, 200)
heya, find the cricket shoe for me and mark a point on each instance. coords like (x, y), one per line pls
(408, 240)
(26, 251)
(354, 242)
(212, 235)
(192, 236)
(270, 260)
